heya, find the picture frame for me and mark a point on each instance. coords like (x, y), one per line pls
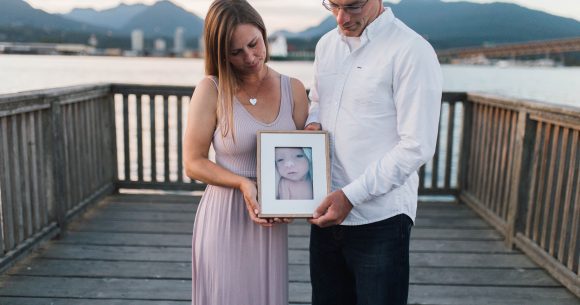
(293, 172)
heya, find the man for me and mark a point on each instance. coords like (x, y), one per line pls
(377, 91)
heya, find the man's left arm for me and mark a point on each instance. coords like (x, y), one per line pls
(417, 89)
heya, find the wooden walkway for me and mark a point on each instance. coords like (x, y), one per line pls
(135, 249)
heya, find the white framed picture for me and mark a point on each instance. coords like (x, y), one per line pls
(293, 172)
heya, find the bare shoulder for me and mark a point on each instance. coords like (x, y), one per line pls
(205, 93)
(206, 86)
(298, 90)
(297, 85)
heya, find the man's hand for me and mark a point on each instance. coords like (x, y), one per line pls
(332, 211)
(313, 126)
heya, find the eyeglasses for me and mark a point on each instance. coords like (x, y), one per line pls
(350, 9)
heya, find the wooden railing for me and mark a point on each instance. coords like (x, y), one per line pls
(440, 175)
(150, 142)
(514, 162)
(520, 172)
(143, 137)
(56, 151)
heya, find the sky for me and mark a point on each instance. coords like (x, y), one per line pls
(295, 15)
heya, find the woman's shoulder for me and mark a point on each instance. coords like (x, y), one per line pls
(205, 91)
(207, 86)
(297, 85)
(209, 81)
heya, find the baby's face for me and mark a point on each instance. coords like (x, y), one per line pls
(291, 163)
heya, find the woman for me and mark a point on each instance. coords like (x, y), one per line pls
(237, 258)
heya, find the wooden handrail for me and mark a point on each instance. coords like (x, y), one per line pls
(53, 145)
(520, 173)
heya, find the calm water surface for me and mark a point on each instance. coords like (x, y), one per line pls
(30, 72)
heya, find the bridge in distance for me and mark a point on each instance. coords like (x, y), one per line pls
(545, 47)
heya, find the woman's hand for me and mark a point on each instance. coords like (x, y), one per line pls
(250, 193)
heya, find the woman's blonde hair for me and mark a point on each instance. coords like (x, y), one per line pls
(222, 19)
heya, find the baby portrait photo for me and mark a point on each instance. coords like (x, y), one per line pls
(293, 173)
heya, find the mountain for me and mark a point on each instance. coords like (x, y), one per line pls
(157, 20)
(461, 24)
(17, 13)
(19, 22)
(477, 24)
(317, 31)
(116, 17)
(162, 18)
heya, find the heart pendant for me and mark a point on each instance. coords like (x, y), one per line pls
(253, 101)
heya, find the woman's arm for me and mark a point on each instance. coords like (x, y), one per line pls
(201, 124)
(300, 112)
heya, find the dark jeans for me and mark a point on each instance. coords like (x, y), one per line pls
(361, 265)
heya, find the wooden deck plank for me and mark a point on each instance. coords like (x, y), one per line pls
(181, 238)
(120, 253)
(104, 269)
(102, 288)
(467, 246)
(106, 225)
(154, 198)
(424, 233)
(294, 242)
(112, 226)
(189, 198)
(174, 254)
(188, 214)
(182, 205)
(148, 216)
(300, 292)
(77, 301)
(462, 295)
(452, 260)
(128, 239)
(460, 276)
(298, 272)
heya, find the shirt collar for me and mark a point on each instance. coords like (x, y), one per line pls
(378, 25)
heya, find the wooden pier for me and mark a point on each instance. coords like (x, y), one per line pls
(504, 232)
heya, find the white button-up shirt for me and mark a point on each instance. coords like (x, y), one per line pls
(380, 104)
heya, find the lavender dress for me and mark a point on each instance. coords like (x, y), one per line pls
(235, 261)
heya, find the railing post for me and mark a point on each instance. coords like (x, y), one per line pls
(111, 133)
(520, 180)
(58, 165)
(465, 146)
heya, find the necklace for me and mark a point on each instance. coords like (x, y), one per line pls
(254, 98)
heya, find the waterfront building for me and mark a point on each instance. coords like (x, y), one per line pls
(137, 41)
(179, 41)
(278, 46)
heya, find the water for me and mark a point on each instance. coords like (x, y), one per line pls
(18, 73)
